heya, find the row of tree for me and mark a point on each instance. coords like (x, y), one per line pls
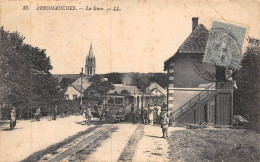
(25, 78)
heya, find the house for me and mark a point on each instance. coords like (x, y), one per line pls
(155, 89)
(183, 79)
(159, 93)
(193, 94)
(74, 90)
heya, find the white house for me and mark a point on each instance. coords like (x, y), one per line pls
(155, 89)
(73, 90)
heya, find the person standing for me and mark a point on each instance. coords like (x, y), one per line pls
(38, 114)
(145, 114)
(84, 117)
(55, 112)
(13, 118)
(89, 115)
(141, 115)
(151, 114)
(164, 125)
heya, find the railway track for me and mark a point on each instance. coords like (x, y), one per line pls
(129, 150)
(75, 148)
(80, 147)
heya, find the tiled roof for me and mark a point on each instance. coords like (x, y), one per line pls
(77, 84)
(195, 43)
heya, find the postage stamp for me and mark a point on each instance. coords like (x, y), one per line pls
(225, 44)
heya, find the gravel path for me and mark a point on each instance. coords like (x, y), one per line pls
(129, 151)
(152, 147)
(111, 149)
(29, 137)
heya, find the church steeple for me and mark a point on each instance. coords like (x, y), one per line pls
(90, 54)
(90, 67)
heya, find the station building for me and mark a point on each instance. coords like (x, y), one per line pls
(192, 97)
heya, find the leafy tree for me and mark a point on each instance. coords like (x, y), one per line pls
(125, 92)
(65, 82)
(98, 88)
(24, 72)
(246, 97)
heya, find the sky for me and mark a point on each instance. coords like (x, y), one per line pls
(138, 38)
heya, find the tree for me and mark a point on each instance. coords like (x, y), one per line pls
(24, 72)
(125, 92)
(246, 97)
(65, 82)
(98, 89)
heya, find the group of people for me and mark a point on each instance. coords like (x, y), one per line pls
(53, 113)
(148, 115)
(151, 115)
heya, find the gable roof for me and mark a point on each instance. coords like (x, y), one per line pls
(153, 85)
(195, 43)
(77, 84)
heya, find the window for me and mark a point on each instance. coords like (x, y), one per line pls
(110, 101)
(119, 101)
(74, 96)
(66, 96)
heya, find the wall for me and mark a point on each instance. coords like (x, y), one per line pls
(181, 74)
(185, 75)
(70, 91)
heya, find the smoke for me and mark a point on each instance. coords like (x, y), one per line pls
(127, 79)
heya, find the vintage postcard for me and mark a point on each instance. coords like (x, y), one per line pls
(129, 80)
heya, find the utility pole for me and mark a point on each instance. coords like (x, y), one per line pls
(81, 75)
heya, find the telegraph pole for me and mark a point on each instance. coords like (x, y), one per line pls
(81, 76)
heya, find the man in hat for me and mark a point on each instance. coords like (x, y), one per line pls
(164, 125)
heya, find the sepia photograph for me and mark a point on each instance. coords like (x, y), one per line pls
(129, 80)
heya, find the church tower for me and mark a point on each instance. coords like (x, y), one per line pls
(90, 67)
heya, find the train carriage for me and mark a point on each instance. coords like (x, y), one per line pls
(120, 106)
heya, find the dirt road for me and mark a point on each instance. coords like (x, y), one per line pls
(68, 140)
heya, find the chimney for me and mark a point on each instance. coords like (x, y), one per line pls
(194, 22)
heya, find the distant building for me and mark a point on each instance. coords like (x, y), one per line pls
(159, 93)
(73, 91)
(133, 90)
(155, 89)
(90, 67)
